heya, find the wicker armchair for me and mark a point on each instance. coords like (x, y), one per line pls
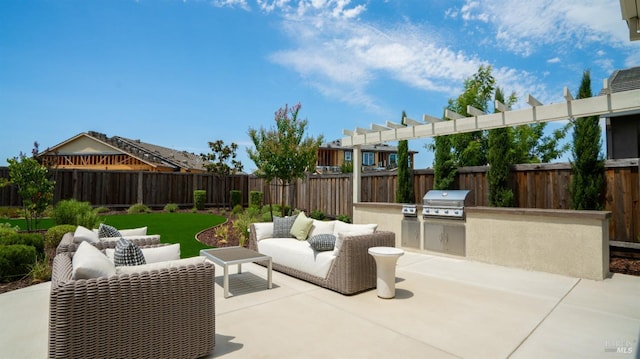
(166, 313)
(68, 245)
(353, 269)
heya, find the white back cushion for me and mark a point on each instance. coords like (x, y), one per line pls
(342, 227)
(263, 230)
(83, 234)
(154, 254)
(89, 262)
(321, 227)
(141, 231)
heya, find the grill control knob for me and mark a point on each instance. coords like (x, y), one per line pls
(436, 210)
(446, 211)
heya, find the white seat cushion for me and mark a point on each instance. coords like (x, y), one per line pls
(297, 254)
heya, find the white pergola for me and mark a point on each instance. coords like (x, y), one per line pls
(606, 105)
(630, 10)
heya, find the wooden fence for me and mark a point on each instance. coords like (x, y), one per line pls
(535, 186)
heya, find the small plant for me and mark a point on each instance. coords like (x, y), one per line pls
(199, 199)
(222, 233)
(317, 214)
(138, 208)
(170, 207)
(236, 198)
(344, 218)
(237, 209)
(243, 221)
(40, 270)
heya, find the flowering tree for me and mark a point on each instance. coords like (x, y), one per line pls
(34, 186)
(282, 153)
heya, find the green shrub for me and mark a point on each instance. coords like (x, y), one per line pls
(138, 208)
(10, 212)
(344, 218)
(171, 207)
(16, 261)
(199, 199)
(53, 236)
(76, 213)
(6, 227)
(34, 240)
(317, 214)
(237, 209)
(266, 217)
(100, 210)
(88, 219)
(255, 199)
(236, 198)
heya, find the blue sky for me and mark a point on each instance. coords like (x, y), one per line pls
(182, 73)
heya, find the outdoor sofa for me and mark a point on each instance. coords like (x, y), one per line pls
(164, 309)
(347, 268)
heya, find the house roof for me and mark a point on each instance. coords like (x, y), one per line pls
(337, 144)
(154, 155)
(624, 80)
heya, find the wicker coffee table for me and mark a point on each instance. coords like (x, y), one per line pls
(235, 255)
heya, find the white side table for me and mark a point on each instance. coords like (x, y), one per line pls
(386, 258)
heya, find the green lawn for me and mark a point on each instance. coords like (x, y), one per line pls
(172, 227)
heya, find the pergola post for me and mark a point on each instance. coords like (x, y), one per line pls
(357, 169)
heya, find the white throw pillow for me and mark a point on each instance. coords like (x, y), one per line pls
(263, 230)
(89, 262)
(160, 265)
(83, 234)
(348, 227)
(321, 227)
(142, 231)
(154, 254)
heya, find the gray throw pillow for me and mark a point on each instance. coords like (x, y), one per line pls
(282, 226)
(127, 254)
(107, 231)
(322, 242)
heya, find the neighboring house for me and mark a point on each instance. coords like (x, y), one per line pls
(623, 130)
(96, 151)
(332, 155)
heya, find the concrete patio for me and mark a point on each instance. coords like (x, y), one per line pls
(444, 308)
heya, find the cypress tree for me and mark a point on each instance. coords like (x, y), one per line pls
(500, 159)
(587, 167)
(404, 190)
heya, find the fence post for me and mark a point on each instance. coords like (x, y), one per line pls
(140, 188)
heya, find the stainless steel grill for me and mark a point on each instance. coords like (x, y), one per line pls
(444, 204)
(409, 210)
(444, 221)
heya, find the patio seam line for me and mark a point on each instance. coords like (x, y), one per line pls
(262, 303)
(544, 318)
(491, 287)
(377, 324)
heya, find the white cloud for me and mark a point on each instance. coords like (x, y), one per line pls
(242, 4)
(554, 60)
(525, 26)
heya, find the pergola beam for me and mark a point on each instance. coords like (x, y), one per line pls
(608, 104)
